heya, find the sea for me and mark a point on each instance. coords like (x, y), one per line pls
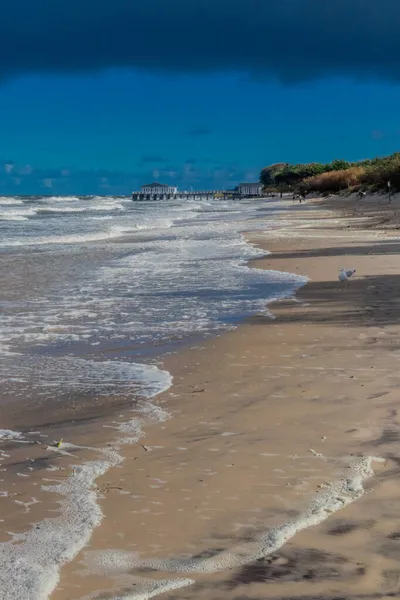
(134, 279)
(94, 291)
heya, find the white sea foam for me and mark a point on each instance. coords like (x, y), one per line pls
(106, 206)
(13, 218)
(16, 214)
(84, 207)
(41, 375)
(155, 588)
(181, 270)
(188, 278)
(62, 199)
(8, 434)
(144, 589)
(60, 209)
(114, 231)
(103, 218)
(337, 496)
(31, 561)
(5, 201)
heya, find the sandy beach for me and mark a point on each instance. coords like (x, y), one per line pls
(275, 475)
(199, 300)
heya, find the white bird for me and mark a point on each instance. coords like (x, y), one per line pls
(344, 276)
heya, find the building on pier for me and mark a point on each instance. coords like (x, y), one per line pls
(159, 191)
(155, 191)
(250, 190)
(158, 188)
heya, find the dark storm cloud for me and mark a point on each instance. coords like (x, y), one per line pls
(290, 39)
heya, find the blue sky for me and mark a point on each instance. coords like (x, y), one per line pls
(194, 110)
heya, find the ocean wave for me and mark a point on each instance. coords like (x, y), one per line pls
(107, 206)
(6, 201)
(69, 374)
(114, 231)
(12, 218)
(193, 280)
(59, 199)
(60, 209)
(84, 206)
(30, 563)
(18, 214)
(184, 278)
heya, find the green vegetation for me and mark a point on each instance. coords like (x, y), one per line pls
(334, 177)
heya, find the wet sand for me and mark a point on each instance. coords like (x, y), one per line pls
(264, 421)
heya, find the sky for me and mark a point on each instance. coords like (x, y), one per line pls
(101, 96)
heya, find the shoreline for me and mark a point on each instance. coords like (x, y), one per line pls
(220, 415)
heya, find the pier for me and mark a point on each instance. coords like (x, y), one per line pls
(158, 191)
(206, 195)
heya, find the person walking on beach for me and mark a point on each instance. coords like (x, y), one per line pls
(389, 189)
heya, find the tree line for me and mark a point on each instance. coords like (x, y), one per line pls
(372, 174)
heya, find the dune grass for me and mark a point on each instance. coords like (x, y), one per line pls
(373, 174)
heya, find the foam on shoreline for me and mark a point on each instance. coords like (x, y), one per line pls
(340, 494)
(31, 561)
(146, 589)
(8, 434)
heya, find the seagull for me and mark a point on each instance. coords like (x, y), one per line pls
(344, 276)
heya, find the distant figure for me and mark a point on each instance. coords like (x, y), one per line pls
(344, 276)
(362, 194)
(389, 189)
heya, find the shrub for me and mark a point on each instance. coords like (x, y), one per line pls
(379, 173)
(335, 176)
(335, 181)
(338, 165)
(285, 174)
(268, 174)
